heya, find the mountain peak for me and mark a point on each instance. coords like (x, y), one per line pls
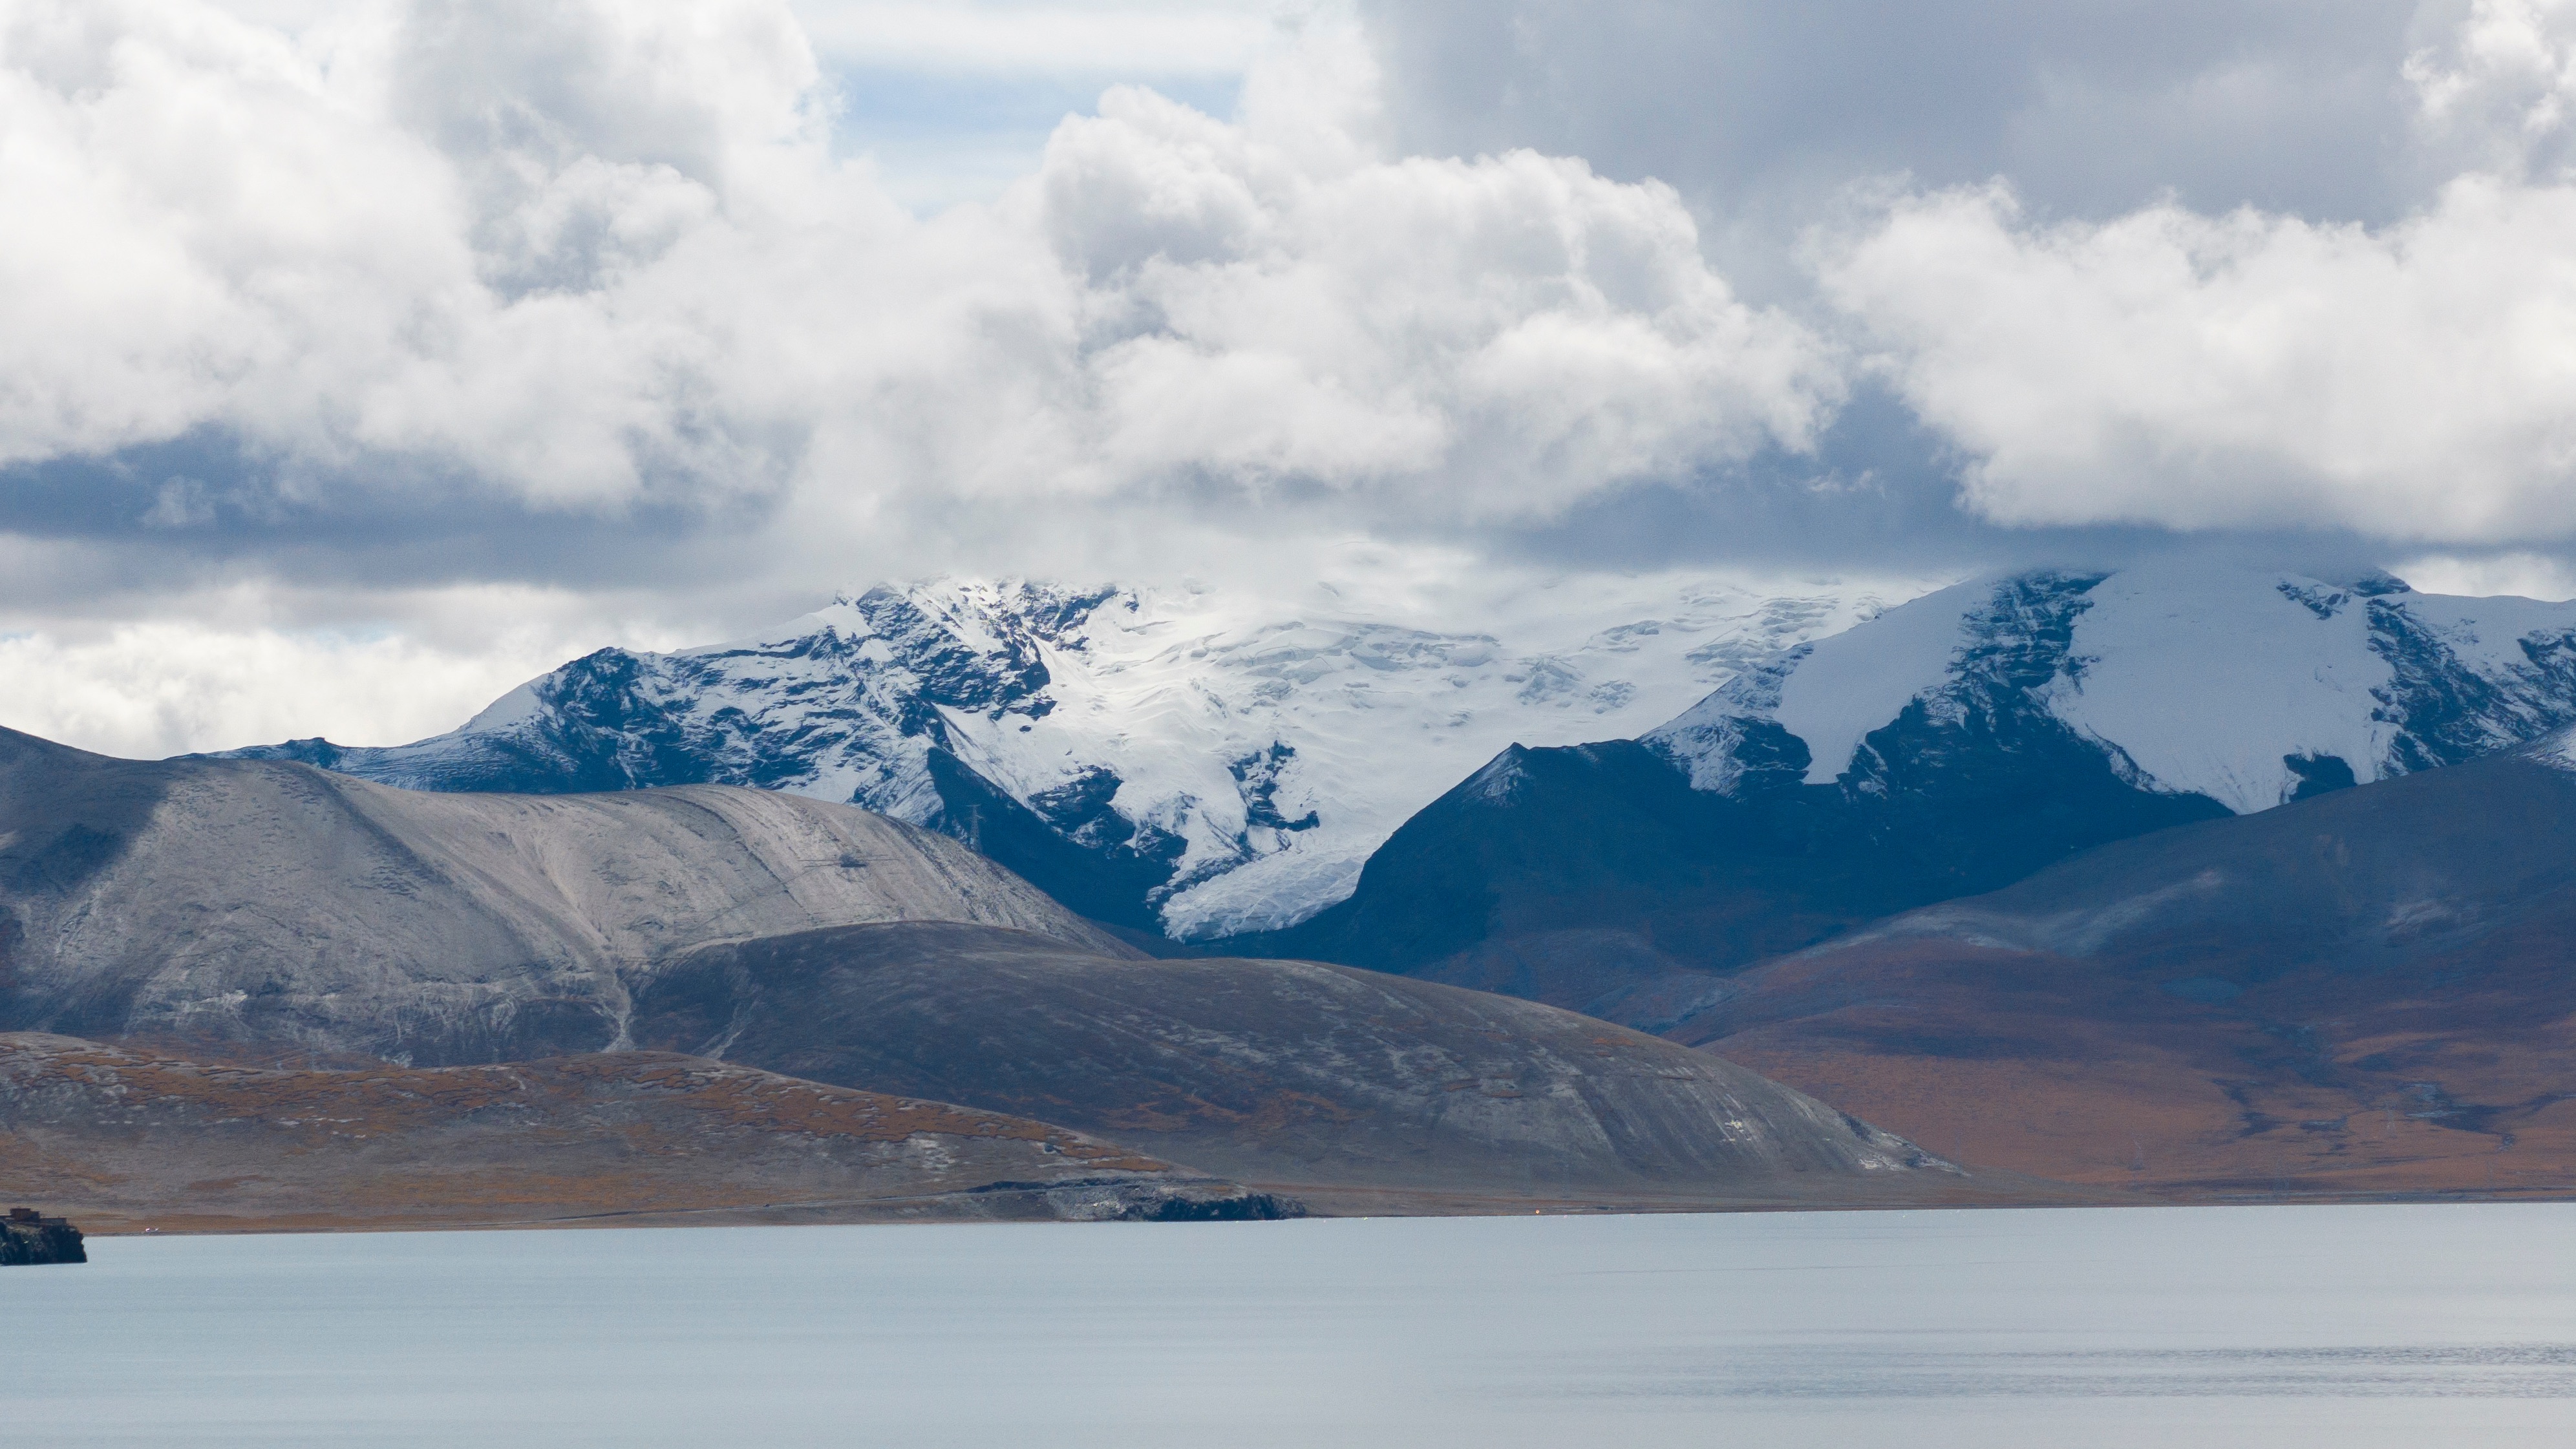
(2192, 675)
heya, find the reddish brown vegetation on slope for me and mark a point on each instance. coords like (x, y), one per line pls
(121, 1137)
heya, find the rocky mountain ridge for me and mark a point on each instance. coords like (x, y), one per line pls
(2246, 686)
(1185, 764)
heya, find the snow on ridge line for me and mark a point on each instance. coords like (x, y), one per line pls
(2558, 751)
(2208, 678)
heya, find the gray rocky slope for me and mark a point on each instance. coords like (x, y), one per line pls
(242, 900)
(1287, 1073)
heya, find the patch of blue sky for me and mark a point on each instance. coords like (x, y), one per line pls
(941, 137)
(955, 99)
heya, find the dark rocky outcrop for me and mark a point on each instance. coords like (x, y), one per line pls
(1128, 1200)
(28, 1237)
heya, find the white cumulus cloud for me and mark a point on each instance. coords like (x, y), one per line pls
(590, 255)
(2246, 370)
(2503, 81)
(238, 667)
(2412, 380)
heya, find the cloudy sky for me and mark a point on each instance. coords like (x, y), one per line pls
(358, 360)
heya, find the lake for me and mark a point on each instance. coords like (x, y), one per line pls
(2277, 1326)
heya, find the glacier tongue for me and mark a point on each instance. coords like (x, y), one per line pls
(1223, 764)
(1848, 686)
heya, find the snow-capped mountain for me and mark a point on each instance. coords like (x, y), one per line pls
(1944, 748)
(1171, 759)
(2249, 687)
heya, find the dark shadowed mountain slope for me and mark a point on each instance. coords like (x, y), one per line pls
(1278, 1072)
(1596, 878)
(2371, 989)
(240, 900)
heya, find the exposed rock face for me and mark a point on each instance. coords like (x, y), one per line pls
(256, 901)
(28, 1237)
(1272, 1071)
(2367, 991)
(136, 1137)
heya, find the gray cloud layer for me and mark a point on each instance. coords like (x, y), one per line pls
(2198, 266)
(2092, 107)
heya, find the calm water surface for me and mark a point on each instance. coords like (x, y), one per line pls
(2342, 1326)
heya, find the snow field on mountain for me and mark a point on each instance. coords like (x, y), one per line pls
(2203, 673)
(2208, 677)
(805, 691)
(1857, 681)
(1170, 688)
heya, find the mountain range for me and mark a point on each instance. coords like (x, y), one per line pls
(1944, 748)
(1175, 761)
(1189, 766)
(2181, 878)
